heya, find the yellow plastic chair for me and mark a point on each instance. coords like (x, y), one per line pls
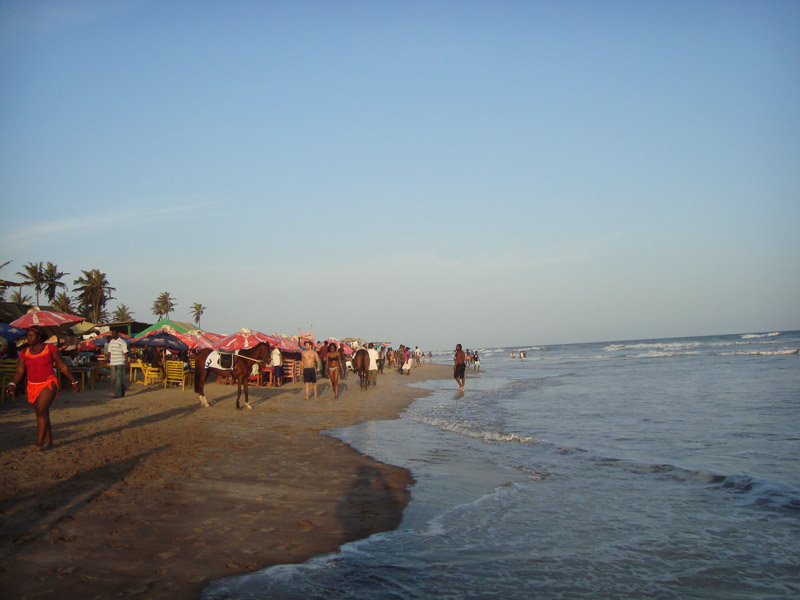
(151, 374)
(136, 367)
(176, 374)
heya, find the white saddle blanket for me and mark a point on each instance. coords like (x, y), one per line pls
(213, 361)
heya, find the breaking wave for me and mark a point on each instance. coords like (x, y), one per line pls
(761, 352)
(750, 336)
(464, 428)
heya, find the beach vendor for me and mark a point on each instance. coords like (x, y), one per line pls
(37, 362)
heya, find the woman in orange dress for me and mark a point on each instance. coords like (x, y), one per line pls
(37, 362)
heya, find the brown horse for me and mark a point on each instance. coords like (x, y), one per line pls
(361, 366)
(242, 365)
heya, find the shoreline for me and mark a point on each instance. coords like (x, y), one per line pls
(151, 495)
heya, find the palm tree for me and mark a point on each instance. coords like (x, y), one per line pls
(163, 305)
(33, 275)
(18, 298)
(52, 277)
(197, 312)
(93, 292)
(123, 313)
(63, 303)
(3, 287)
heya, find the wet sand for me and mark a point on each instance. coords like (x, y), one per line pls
(152, 496)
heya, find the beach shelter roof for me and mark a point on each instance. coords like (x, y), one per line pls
(82, 328)
(179, 326)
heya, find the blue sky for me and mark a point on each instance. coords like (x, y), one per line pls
(489, 173)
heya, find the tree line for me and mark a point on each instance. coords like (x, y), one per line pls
(89, 298)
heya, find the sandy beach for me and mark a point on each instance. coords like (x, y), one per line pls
(152, 496)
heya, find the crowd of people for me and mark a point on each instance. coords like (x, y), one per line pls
(38, 362)
(328, 360)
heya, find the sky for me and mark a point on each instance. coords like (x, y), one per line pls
(490, 173)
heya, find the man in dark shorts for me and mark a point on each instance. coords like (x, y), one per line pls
(460, 367)
(310, 359)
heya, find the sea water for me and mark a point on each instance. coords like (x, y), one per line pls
(645, 469)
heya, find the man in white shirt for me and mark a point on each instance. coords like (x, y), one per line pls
(117, 351)
(372, 374)
(277, 366)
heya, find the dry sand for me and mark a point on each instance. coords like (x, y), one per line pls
(152, 496)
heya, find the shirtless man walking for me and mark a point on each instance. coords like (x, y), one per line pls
(309, 359)
(460, 367)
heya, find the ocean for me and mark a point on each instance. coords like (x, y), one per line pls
(638, 469)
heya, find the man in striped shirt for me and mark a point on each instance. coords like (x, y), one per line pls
(117, 351)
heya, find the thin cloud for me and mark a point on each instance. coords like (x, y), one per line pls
(91, 221)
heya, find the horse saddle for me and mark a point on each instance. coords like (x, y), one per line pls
(219, 360)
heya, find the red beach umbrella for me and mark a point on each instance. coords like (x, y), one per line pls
(285, 344)
(52, 322)
(243, 340)
(214, 337)
(201, 340)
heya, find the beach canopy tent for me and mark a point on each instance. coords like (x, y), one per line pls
(161, 339)
(186, 338)
(179, 326)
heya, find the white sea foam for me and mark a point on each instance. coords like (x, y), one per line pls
(748, 336)
(463, 428)
(661, 354)
(784, 351)
(667, 346)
